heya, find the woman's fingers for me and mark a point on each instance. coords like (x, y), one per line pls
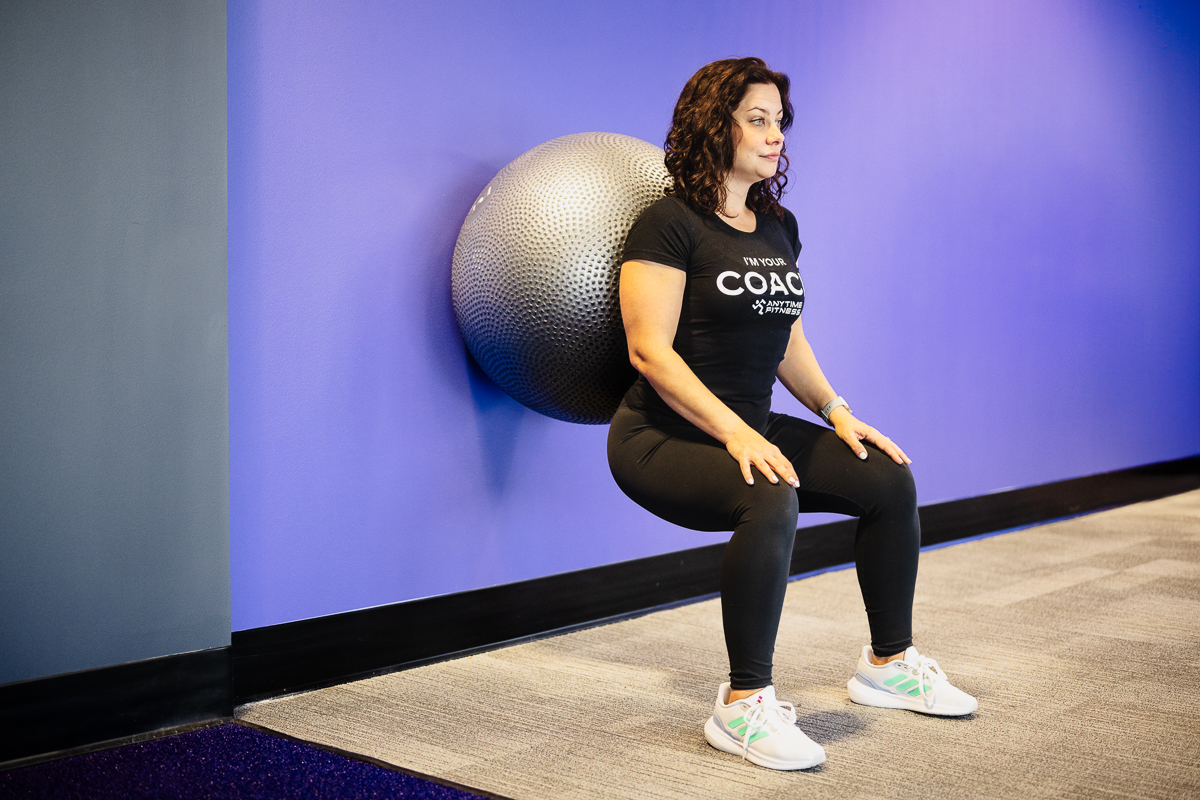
(745, 465)
(781, 468)
(893, 450)
(775, 466)
(853, 433)
(784, 469)
(765, 468)
(851, 437)
(757, 453)
(855, 436)
(888, 446)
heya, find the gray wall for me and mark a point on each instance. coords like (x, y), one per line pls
(114, 480)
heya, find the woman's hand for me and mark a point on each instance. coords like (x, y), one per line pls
(854, 432)
(749, 448)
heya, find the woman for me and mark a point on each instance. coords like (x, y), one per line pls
(711, 299)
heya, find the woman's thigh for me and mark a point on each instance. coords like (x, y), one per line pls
(831, 477)
(686, 477)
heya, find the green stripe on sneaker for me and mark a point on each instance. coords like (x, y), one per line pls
(895, 680)
(917, 691)
(908, 684)
(734, 723)
(758, 736)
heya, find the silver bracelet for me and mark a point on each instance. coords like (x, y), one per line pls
(831, 405)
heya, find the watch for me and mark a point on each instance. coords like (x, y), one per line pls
(831, 405)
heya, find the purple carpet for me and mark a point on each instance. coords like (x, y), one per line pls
(225, 761)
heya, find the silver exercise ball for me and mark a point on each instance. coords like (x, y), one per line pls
(534, 279)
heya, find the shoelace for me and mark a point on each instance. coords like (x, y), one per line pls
(928, 672)
(760, 717)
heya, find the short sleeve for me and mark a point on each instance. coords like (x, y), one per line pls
(793, 231)
(663, 233)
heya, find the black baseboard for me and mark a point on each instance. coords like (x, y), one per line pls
(278, 659)
(64, 712)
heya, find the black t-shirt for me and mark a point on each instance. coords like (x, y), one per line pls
(742, 295)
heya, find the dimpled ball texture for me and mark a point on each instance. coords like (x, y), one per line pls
(534, 278)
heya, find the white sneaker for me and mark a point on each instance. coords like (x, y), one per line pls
(912, 681)
(762, 730)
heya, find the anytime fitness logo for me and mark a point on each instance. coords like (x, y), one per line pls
(734, 283)
(791, 307)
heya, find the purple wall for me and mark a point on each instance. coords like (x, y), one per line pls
(1001, 215)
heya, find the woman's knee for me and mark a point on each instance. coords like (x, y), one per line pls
(891, 486)
(901, 486)
(773, 506)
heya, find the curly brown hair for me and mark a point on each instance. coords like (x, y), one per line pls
(700, 144)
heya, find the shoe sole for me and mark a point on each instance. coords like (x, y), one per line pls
(866, 695)
(719, 740)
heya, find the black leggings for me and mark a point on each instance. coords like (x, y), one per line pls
(681, 474)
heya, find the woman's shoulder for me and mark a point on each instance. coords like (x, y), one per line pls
(786, 219)
(665, 232)
(789, 219)
(791, 228)
(670, 207)
(668, 213)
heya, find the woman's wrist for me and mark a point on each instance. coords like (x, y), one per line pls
(738, 429)
(838, 414)
(832, 406)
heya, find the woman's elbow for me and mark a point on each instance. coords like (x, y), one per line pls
(641, 358)
(638, 360)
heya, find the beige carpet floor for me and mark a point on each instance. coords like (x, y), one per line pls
(1080, 638)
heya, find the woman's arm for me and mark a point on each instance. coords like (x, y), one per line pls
(802, 376)
(651, 299)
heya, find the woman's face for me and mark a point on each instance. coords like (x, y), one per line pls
(756, 131)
